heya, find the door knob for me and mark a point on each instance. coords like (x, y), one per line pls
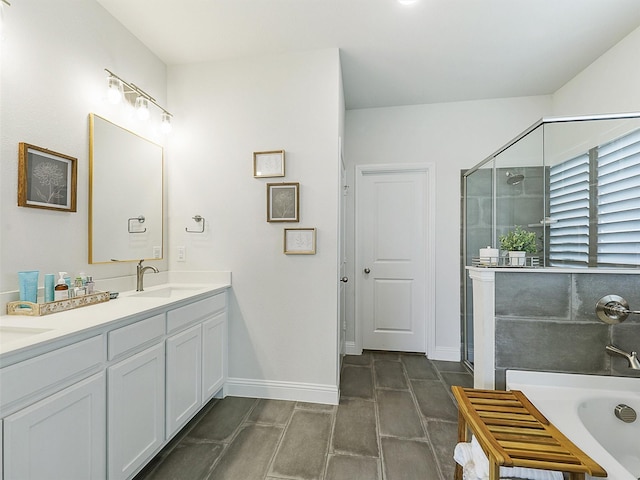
(367, 271)
(344, 279)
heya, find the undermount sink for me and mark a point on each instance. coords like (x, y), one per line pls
(166, 292)
(11, 334)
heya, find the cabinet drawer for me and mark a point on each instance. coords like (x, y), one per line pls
(52, 371)
(128, 339)
(188, 314)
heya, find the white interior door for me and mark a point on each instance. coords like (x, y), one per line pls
(391, 240)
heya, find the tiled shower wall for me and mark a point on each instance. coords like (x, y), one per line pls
(521, 204)
(547, 322)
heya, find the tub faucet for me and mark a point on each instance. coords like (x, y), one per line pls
(140, 271)
(632, 357)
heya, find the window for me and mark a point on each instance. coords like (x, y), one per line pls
(598, 222)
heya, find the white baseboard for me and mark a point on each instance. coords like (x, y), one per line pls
(446, 354)
(275, 390)
(350, 349)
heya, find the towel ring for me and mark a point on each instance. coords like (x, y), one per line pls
(140, 219)
(198, 219)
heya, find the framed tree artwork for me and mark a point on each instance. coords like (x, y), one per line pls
(46, 179)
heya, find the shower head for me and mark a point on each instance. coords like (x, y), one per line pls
(514, 179)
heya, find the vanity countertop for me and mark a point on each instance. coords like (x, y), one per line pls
(21, 334)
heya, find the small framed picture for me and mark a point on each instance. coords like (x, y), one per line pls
(283, 202)
(300, 241)
(46, 179)
(268, 164)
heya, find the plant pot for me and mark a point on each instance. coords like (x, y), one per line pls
(517, 259)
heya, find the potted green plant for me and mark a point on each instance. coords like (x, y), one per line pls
(518, 243)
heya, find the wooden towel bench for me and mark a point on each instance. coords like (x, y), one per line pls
(513, 433)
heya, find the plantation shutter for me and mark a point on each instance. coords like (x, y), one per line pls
(619, 202)
(569, 206)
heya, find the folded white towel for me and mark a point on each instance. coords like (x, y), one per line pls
(462, 455)
(475, 465)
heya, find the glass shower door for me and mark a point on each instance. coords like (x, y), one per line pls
(477, 233)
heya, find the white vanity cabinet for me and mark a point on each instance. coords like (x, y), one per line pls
(54, 408)
(214, 354)
(62, 436)
(196, 352)
(136, 383)
(184, 377)
(100, 402)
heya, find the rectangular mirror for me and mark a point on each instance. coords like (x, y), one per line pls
(125, 194)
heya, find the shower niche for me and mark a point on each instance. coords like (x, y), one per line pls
(574, 181)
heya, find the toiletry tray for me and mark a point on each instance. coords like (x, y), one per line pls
(38, 309)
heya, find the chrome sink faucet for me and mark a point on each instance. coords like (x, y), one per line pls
(632, 357)
(140, 271)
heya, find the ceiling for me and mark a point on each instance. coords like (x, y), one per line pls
(431, 52)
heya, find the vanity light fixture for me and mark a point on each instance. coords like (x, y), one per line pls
(165, 123)
(119, 89)
(142, 108)
(407, 2)
(115, 90)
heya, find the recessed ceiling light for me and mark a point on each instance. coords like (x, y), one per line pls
(407, 2)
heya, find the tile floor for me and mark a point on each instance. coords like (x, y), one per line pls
(396, 421)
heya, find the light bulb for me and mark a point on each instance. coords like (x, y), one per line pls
(115, 90)
(165, 124)
(142, 108)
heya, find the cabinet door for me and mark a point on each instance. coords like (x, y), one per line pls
(61, 436)
(184, 377)
(136, 410)
(214, 333)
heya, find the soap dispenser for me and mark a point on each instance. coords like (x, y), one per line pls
(61, 290)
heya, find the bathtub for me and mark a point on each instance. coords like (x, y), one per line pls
(582, 408)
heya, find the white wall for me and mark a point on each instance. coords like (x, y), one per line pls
(453, 136)
(52, 77)
(611, 84)
(283, 325)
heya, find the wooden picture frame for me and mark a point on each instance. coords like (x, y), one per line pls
(300, 241)
(283, 202)
(268, 164)
(46, 179)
